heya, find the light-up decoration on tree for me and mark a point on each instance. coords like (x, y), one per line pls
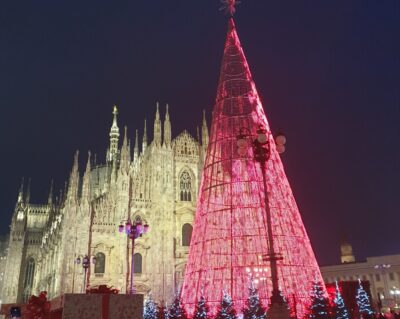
(230, 229)
(319, 307)
(363, 303)
(340, 311)
(150, 309)
(253, 309)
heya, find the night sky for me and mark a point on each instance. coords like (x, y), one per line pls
(328, 73)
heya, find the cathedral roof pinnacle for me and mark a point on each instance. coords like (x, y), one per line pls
(167, 112)
(50, 200)
(21, 192)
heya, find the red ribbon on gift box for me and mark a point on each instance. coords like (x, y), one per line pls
(102, 289)
(106, 292)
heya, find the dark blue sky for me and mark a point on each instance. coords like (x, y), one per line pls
(328, 73)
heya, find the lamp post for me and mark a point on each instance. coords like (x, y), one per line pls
(133, 231)
(85, 261)
(261, 153)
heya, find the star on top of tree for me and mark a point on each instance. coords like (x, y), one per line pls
(229, 6)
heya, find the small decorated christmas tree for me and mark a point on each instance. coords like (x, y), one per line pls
(226, 309)
(201, 311)
(319, 308)
(340, 311)
(364, 306)
(162, 312)
(150, 309)
(254, 309)
(176, 311)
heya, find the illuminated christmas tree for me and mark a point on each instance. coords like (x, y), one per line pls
(230, 231)
(340, 311)
(201, 309)
(363, 303)
(319, 308)
(150, 309)
(176, 311)
(254, 309)
(226, 309)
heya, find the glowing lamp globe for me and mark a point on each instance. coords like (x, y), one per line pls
(139, 227)
(281, 140)
(280, 148)
(121, 228)
(261, 137)
(128, 227)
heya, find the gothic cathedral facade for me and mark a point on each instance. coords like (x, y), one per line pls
(156, 183)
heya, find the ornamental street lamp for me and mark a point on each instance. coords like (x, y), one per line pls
(261, 153)
(85, 261)
(133, 231)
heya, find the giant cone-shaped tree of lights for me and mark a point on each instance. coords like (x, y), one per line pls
(230, 231)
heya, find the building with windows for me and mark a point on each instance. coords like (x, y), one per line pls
(154, 182)
(383, 274)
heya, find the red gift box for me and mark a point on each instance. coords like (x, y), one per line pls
(97, 306)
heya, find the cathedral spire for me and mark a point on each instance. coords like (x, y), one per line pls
(125, 152)
(136, 148)
(50, 199)
(114, 136)
(21, 192)
(74, 178)
(204, 131)
(167, 127)
(157, 127)
(86, 179)
(28, 192)
(144, 143)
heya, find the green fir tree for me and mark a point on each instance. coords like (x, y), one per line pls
(176, 311)
(226, 310)
(202, 309)
(363, 303)
(150, 309)
(254, 309)
(319, 308)
(340, 310)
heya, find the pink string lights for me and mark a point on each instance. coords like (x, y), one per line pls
(230, 231)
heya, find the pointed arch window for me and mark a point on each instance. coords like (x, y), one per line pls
(137, 263)
(28, 280)
(187, 230)
(185, 182)
(100, 266)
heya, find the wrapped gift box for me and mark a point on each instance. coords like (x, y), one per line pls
(98, 306)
